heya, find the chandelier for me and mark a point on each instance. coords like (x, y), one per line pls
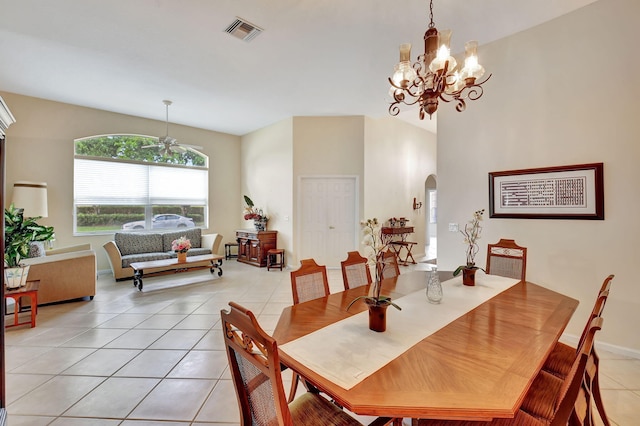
(434, 76)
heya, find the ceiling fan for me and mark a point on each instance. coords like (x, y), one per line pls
(166, 143)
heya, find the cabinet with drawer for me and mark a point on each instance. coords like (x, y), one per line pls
(254, 245)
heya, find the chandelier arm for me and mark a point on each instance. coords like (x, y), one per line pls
(413, 91)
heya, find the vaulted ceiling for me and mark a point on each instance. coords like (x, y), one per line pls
(313, 58)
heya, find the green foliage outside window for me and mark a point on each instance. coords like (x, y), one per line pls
(129, 147)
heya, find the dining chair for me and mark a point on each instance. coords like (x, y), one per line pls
(549, 400)
(255, 368)
(559, 360)
(388, 262)
(307, 283)
(355, 271)
(507, 259)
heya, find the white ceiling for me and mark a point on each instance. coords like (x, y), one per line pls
(314, 58)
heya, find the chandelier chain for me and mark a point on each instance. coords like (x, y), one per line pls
(431, 24)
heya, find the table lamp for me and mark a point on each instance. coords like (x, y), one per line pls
(31, 197)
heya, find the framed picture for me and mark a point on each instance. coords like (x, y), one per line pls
(563, 192)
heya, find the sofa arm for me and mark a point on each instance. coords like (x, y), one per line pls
(115, 261)
(64, 276)
(212, 241)
(79, 247)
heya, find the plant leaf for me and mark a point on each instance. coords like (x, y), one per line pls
(248, 201)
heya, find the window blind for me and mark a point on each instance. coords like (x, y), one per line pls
(99, 182)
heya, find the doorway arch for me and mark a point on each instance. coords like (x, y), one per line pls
(431, 218)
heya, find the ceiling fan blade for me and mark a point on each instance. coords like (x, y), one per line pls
(196, 147)
(158, 145)
(178, 148)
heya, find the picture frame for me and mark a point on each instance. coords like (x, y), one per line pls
(560, 192)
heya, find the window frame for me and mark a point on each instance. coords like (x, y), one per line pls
(163, 170)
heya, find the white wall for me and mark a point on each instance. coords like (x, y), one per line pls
(266, 178)
(562, 93)
(40, 148)
(398, 159)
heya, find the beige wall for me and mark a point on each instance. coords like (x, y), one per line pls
(266, 176)
(275, 158)
(326, 146)
(40, 148)
(562, 93)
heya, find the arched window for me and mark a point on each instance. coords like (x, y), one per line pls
(127, 182)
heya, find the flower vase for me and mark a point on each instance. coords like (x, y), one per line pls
(377, 316)
(182, 256)
(469, 276)
(434, 287)
(260, 225)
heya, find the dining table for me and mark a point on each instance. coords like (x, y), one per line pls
(473, 356)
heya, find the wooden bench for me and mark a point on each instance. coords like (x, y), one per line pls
(211, 261)
(397, 247)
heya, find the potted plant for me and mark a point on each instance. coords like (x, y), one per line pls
(377, 304)
(19, 232)
(251, 212)
(471, 232)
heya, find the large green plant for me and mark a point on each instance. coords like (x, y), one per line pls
(19, 232)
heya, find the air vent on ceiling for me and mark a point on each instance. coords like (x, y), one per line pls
(243, 30)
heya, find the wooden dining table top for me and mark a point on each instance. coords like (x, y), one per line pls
(477, 367)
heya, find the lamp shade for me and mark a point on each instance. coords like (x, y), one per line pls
(32, 197)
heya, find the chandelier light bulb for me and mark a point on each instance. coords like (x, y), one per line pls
(444, 53)
(403, 72)
(472, 69)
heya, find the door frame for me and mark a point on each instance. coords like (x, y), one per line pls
(356, 210)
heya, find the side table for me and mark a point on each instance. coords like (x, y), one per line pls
(30, 290)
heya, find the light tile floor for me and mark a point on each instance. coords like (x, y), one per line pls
(157, 357)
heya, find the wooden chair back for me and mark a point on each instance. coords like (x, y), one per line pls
(255, 368)
(309, 281)
(554, 400)
(388, 264)
(598, 307)
(507, 259)
(355, 271)
(572, 393)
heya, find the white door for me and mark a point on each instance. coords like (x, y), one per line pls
(328, 218)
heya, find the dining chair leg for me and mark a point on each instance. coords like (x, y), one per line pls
(597, 397)
(294, 386)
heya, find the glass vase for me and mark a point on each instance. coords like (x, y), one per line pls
(434, 288)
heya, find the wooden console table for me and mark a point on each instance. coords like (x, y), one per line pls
(389, 234)
(396, 238)
(254, 245)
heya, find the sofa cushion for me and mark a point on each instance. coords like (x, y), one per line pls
(36, 249)
(136, 243)
(192, 234)
(143, 257)
(193, 252)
